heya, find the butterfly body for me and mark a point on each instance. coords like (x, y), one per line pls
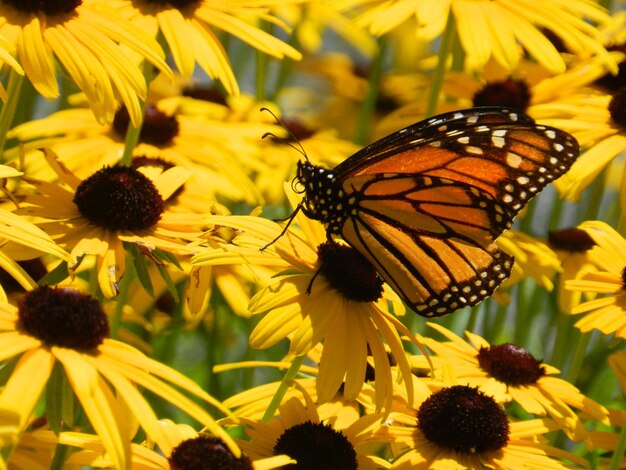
(425, 204)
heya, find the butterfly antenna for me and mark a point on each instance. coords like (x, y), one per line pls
(299, 148)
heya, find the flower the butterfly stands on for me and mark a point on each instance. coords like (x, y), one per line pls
(425, 204)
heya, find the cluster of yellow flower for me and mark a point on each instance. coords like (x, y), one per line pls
(148, 152)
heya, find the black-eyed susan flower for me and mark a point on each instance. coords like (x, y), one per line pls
(608, 255)
(185, 449)
(462, 427)
(597, 120)
(571, 246)
(327, 292)
(191, 29)
(533, 258)
(213, 151)
(498, 29)
(22, 240)
(62, 332)
(115, 205)
(509, 373)
(530, 88)
(84, 36)
(329, 436)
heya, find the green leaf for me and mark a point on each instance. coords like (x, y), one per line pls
(171, 287)
(140, 263)
(57, 275)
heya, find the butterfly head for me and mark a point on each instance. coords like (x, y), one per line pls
(324, 200)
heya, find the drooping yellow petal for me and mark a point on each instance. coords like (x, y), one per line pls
(26, 384)
(92, 393)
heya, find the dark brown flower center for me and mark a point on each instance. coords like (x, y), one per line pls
(617, 108)
(143, 161)
(509, 92)
(349, 272)
(510, 364)
(298, 131)
(48, 7)
(463, 419)
(624, 279)
(316, 446)
(206, 453)
(573, 240)
(205, 93)
(119, 198)
(63, 317)
(612, 83)
(158, 128)
(175, 3)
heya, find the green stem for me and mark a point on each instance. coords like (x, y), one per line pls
(122, 297)
(447, 41)
(131, 140)
(497, 324)
(618, 453)
(7, 113)
(555, 214)
(563, 330)
(262, 62)
(526, 222)
(285, 67)
(595, 197)
(368, 106)
(523, 315)
(133, 133)
(283, 387)
(61, 454)
(579, 356)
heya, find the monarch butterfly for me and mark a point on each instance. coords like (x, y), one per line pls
(425, 204)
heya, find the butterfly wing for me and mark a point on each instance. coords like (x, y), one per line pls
(502, 152)
(430, 238)
(429, 130)
(426, 203)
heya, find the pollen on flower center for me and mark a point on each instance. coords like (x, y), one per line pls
(510, 364)
(463, 419)
(509, 92)
(48, 7)
(349, 272)
(119, 198)
(158, 128)
(206, 452)
(316, 446)
(63, 317)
